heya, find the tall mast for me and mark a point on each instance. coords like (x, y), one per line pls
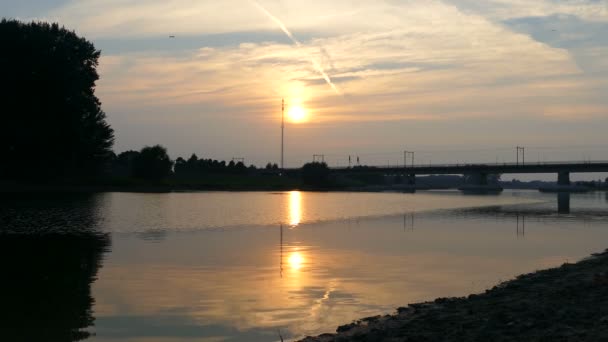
(282, 133)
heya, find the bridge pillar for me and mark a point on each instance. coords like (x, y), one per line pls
(410, 179)
(563, 178)
(479, 183)
(477, 179)
(563, 202)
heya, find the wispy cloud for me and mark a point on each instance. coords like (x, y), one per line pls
(400, 61)
(316, 64)
(590, 10)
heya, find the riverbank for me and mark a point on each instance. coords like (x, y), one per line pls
(223, 184)
(212, 184)
(568, 303)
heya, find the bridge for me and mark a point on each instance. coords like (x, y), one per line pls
(478, 173)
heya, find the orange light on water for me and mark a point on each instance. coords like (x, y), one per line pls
(295, 260)
(295, 208)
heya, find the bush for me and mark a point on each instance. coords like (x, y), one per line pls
(152, 163)
(315, 174)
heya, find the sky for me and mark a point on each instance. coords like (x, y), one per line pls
(454, 80)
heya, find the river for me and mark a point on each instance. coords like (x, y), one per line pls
(248, 266)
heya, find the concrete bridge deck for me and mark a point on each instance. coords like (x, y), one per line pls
(478, 173)
(501, 168)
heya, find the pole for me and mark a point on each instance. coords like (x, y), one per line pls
(282, 134)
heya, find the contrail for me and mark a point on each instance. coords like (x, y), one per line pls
(297, 43)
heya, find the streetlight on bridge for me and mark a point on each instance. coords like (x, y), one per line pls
(405, 155)
(521, 150)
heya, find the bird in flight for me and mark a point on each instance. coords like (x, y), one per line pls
(171, 36)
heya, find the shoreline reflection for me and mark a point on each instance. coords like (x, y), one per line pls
(50, 254)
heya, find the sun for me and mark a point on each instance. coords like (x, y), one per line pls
(296, 114)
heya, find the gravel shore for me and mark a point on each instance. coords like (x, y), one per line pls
(568, 303)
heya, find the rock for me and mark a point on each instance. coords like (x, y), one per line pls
(403, 310)
(561, 304)
(345, 327)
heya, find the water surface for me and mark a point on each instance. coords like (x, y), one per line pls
(241, 266)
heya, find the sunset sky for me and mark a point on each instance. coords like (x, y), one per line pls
(454, 80)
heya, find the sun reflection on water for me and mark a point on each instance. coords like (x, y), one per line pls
(295, 260)
(295, 208)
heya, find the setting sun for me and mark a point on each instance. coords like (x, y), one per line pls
(296, 114)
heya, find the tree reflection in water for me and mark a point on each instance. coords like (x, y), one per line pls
(48, 269)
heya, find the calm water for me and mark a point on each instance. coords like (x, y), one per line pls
(242, 266)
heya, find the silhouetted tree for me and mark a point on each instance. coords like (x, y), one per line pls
(152, 163)
(180, 166)
(52, 124)
(315, 174)
(240, 168)
(122, 165)
(193, 159)
(197, 168)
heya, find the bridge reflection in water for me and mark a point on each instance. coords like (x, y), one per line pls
(563, 202)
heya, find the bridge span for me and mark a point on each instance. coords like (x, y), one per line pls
(479, 172)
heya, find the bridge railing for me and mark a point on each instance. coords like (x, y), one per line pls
(455, 165)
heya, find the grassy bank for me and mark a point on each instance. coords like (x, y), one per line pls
(568, 303)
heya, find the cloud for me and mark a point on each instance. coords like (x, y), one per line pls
(590, 10)
(314, 62)
(416, 69)
(121, 18)
(124, 18)
(434, 64)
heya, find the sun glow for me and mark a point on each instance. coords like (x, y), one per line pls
(295, 260)
(297, 114)
(295, 208)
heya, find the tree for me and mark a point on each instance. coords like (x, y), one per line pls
(52, 122)
(315, 174)
(122, 165)
(152, 163)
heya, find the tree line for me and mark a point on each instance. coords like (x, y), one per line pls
(153, 163)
